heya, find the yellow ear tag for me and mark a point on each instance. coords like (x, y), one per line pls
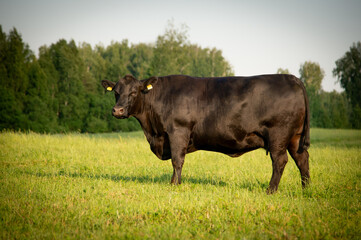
(149, 86)
(109, 88)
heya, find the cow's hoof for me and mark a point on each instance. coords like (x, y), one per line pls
(271, 191)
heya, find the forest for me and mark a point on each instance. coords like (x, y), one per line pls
(59, 90)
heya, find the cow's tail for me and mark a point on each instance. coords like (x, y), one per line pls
(305, 135)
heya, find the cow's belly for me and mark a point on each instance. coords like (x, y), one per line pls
(229, 143)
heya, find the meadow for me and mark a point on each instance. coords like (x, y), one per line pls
(111, 186)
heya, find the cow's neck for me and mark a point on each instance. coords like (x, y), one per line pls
(150, 123)
(149, 120)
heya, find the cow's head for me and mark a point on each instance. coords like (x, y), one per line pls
(127, 93)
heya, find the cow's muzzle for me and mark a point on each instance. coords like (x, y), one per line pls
(119, 112)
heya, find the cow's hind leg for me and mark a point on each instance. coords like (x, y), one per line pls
(301, 159)
(279, 160)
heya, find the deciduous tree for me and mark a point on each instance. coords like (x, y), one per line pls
(348, 73)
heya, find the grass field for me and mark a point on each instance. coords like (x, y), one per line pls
(110, 186)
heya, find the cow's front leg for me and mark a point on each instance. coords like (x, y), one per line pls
(178, 144)
(177, 171)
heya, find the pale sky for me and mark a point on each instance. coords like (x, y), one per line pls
(256, 37)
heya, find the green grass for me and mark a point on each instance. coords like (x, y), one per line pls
(107, 186)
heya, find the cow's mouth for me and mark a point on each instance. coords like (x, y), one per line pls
(121, 117)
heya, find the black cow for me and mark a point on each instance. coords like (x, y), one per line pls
(232, 115)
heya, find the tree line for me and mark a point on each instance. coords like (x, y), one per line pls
(60, 91)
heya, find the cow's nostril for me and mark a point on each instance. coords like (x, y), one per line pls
(118, 111)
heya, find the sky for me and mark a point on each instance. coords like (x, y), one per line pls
(256, 37)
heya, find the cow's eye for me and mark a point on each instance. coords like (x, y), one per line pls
(133, 94)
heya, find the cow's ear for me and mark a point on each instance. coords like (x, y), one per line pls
(148, 84)
(108, 85)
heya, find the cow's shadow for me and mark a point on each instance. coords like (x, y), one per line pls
(157, 179)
